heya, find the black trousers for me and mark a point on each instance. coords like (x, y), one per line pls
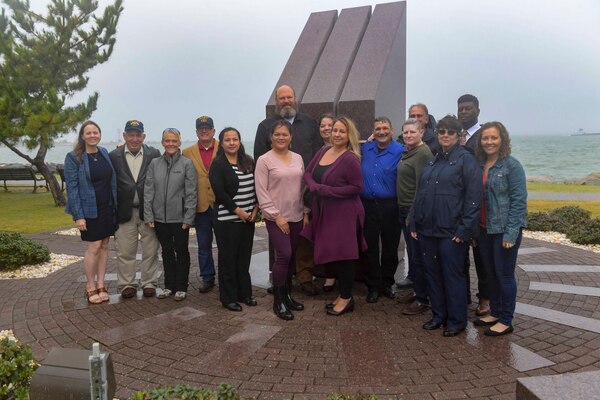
(382, 222)
(483, 278)
(175, 254)
(234, 240)
(344, 270)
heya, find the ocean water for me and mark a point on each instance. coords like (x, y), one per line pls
(557, 157)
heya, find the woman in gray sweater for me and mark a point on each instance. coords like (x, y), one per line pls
(170, 195)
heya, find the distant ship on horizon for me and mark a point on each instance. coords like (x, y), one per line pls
(581, 132)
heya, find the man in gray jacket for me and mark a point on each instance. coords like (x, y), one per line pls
(130, 163)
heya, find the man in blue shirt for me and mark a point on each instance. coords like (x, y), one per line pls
(379, 162)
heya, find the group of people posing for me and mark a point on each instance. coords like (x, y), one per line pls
(326, 200)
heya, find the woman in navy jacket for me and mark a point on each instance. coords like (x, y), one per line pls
(444, 220)
(92, 201)
(502, 220)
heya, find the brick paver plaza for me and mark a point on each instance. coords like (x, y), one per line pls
(375, 349)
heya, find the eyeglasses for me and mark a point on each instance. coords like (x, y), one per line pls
(416, 115)
(169, 130)
(446, 132)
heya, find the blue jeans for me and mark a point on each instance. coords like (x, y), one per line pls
(500, 264)
(444, 267)
(416, 269)
(204, 235)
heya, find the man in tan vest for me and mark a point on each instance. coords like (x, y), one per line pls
(202, 154)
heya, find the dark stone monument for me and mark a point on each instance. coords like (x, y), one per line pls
(304, 57)
(354, 66)
(376, 84)
(329, 77)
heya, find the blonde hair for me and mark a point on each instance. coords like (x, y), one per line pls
(353, 144)
(174, 131)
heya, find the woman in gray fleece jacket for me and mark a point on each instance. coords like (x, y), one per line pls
(170, 195)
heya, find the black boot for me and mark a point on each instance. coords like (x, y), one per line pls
(291, 303)
(279, 305)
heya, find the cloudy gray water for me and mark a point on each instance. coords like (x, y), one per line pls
(558, 157)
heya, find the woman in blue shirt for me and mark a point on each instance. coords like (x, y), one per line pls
(503, 215)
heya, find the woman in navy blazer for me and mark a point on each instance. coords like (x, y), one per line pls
(92, 201)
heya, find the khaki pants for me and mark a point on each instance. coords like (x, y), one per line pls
(126, 240)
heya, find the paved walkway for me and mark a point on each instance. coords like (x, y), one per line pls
(563, 196)
(375, 349)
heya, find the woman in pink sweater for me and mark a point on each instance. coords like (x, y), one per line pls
(278, 178)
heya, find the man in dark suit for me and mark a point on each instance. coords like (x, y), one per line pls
(130, 163)
(468, 115)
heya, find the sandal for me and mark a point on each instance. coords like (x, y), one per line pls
(103, 293)
(89, 295)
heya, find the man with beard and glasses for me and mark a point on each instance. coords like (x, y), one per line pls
(306, 141)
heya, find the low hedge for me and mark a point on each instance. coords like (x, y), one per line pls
(575, 222)
(16, 250)
(223, 392)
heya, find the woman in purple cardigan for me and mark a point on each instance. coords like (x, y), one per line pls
(334, 178)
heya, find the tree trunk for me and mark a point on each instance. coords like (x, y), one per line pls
(40, 163)
(57, 193)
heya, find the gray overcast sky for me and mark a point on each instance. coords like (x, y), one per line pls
(533, 64)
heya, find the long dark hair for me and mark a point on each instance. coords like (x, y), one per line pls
(80, 145)
(505, 147)
(245, 162)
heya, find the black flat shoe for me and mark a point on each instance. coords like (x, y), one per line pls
(452, 332)
(349, 308)
(480, 322)
(373, 296)
(430, 325)
(233, 306)
(489, 332)
(250, 301)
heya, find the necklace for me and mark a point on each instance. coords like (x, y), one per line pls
(93, 155)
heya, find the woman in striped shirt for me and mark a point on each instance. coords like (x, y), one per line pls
(232, 179)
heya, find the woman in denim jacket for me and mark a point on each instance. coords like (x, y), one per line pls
(503, 214)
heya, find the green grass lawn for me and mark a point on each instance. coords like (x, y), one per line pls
(25, 212)
(561, 187)
(547, 205)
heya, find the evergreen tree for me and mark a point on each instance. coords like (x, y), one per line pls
(44, 62)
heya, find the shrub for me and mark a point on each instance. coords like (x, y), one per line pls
(17, 366)
(570, 216)
(16, 251)
(540, 221)
(586, 233)
(563, 219)
(180, 392)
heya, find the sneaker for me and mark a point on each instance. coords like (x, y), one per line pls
(164, 294)
(415, 308)
(206, 286)
(404, 284)
(180, 296)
